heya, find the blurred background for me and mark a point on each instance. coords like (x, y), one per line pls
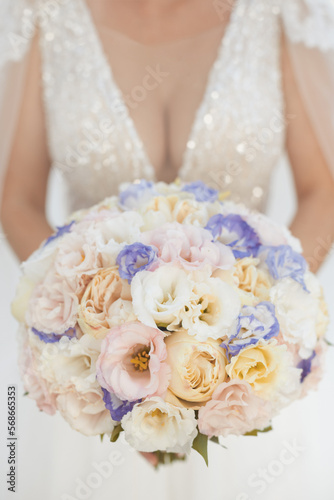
(51, 462)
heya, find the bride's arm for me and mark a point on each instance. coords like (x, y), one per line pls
(314, 220)
(23, 204)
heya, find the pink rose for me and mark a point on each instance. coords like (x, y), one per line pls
(34, 384)
(233, 409)
(77, 255)
(191, 246)
(132, 362)
(85, 411)
(53, 306)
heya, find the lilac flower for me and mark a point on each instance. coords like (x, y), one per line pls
(51, 338)
(134, 258)
(116, 406)
(254, 324)
(283, 262)
(232, 230)
(60, 232)
(201, 191)
(306, 366)
(136, 193)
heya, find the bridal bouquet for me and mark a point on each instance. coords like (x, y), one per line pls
(171, 315)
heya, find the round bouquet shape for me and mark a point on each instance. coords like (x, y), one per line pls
(171, 315)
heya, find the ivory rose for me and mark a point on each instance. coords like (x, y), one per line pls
(156, 425)
(264, 366)
(95, 313)
(233, 409)
(253, 283)
(132, 363)
(197, 367)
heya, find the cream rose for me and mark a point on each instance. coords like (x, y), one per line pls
(264, 367)
(95, 314)
(197, 367)
(253, 283)
(156, 425)
(20, 303)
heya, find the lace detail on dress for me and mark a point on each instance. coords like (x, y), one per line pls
(310, 22)
(238, 133)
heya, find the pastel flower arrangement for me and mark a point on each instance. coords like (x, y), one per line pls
(172, 315)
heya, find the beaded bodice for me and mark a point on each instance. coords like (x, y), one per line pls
(238, 133)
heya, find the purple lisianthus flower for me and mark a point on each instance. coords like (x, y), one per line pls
(116, 406)
(60, 231)
(306, 366)
(134, 258)
(201, 191)
(284, 262)
(136, 193)
(233, 231)
(254, 324)
(51, 338)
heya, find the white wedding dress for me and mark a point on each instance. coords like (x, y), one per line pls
(235, 142)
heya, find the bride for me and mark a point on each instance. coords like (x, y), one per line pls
(110, 91)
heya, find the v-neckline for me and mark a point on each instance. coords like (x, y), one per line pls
(200, 111)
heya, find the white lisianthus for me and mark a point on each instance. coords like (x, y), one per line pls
(173, 298)
(116, 232)
(160, 296)
(213, 309)
(156, 425)
(297, 312)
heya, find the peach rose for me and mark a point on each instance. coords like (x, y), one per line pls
(95, 314)
(233, 409)
(197, 367)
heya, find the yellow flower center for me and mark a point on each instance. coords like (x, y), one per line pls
(141, 359)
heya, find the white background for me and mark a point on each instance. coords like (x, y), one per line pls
(52, 459)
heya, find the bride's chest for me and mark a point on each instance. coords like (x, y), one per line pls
(202, 110)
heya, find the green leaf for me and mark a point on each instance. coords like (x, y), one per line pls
(255, 432)
(25, 393)
(214, 439)
(115, 433)
(329, 343)
(200, 444)
(101, 437)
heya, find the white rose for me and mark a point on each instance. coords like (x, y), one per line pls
(297, 313)
(69, 362)
(156, 425)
